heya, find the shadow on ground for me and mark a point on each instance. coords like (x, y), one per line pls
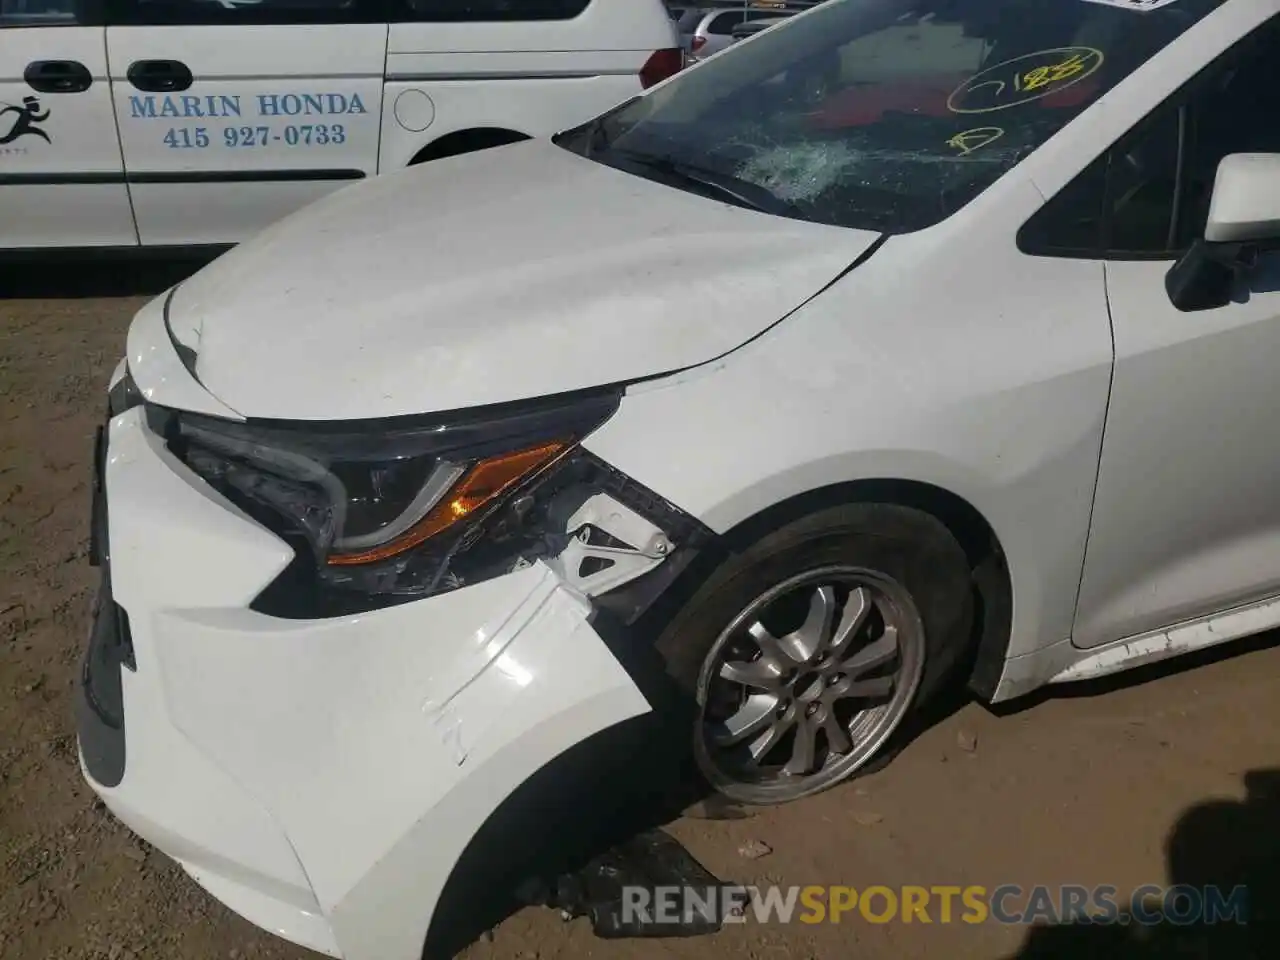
(58, 276)
(1220, 845)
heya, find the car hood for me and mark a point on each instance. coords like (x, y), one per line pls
(512, 273)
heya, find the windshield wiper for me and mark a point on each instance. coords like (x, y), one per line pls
(742, 193)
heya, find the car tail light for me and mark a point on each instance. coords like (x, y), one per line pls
(698, 43)
(663, 64)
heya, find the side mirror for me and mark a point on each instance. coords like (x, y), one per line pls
(1245, 205)
(1244, 217)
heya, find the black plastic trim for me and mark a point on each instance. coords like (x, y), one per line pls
(185, 176)
(439, 420)
(98, 500)
(160, 76)
(99, 701)
(58, 179)
(124, 396)
(57, 77)
(103, 748)
(135, 252)
(244, 176)
(996, 614)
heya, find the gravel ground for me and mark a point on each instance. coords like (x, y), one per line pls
(1168, 777)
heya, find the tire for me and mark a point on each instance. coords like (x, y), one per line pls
(892, 590)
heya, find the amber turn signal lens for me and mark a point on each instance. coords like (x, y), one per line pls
(483, 483)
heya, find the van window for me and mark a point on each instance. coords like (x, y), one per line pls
(453, 11)
(235, 12)
(24, 13)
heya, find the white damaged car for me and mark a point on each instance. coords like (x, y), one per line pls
(908, 343)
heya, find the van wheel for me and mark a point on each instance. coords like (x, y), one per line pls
(806, 652)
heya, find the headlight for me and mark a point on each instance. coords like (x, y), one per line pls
(380, 513)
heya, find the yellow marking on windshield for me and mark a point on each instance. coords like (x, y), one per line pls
(977, 138)
(1024, 79)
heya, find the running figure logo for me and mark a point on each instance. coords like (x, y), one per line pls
(28, 115)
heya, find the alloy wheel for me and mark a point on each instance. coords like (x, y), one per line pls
(807, 682)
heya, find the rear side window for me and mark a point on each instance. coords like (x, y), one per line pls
(32, 13)
(463, 11)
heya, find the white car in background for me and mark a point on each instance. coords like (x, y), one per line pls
(439, 482)
(686, 20)
(750, 28)
(158, 123)
(714, 31)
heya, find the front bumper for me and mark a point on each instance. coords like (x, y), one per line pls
(322, 778)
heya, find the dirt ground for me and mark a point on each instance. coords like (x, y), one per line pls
(1164, 778)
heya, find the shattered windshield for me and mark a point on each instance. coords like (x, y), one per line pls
(884, 115)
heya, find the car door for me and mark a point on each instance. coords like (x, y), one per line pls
(235, 113)
(1186, 521)
(61, 174)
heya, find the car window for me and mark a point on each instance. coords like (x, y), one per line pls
(722, 24)
(446, 11)
(1072, 222)
(1142, 180)
(889, 115)
(1152, 188)
(198, 12)
(21, 13)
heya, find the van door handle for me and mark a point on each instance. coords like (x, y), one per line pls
(57, 76)
(159, 76)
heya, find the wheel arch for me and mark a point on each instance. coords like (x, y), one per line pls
(467, 140)
(971, 529)
(509, 825)
(593, 795)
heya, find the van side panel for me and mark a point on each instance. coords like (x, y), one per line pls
(533, 77)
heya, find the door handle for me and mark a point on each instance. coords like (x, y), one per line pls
(57, 76)
(159, 76)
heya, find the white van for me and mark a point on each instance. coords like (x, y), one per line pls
(153, 123)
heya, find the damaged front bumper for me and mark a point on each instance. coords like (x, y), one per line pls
(323, 777)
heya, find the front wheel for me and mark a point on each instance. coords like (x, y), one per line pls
(806, 652)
